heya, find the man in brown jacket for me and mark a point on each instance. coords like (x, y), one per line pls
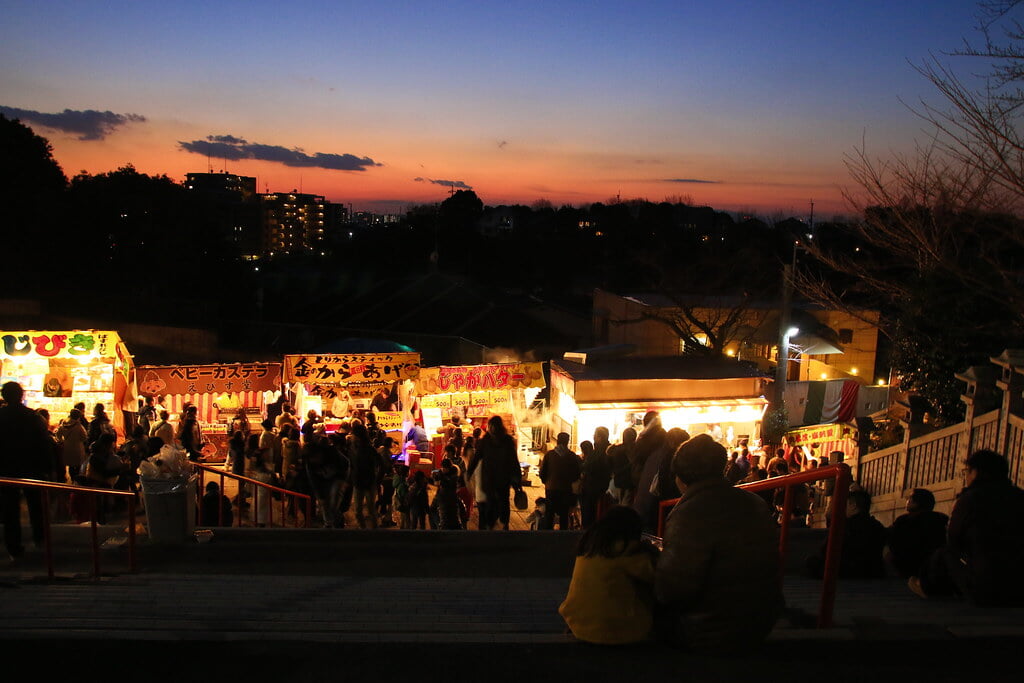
(718, 574)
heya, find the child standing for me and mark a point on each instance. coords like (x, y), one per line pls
(611, 596)
(419, 502)
(400, 482)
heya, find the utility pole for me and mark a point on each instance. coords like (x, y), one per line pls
(786, 329)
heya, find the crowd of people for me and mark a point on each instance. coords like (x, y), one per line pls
(76, 450)
(358, 468)
(711, 584)
(715, 581)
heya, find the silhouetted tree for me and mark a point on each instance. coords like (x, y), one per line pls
(31, 188)
(939, 243)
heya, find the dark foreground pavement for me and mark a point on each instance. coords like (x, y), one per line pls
(304, 605)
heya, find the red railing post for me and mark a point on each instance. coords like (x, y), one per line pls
(833, 551)
(47, 538)
(220, 505)
(787, 513)
(95, 536)
(131, 534)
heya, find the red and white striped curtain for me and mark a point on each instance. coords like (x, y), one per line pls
(204, 403)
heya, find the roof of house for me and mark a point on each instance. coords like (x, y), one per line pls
(657, 367)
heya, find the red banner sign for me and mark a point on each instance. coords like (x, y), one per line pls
(211, 379)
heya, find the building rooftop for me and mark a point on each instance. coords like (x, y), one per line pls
(657, 367)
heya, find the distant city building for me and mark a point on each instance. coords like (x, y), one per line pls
(335, 215)
(226, 184)
(294, 223)
(368, 218)
(231, 207)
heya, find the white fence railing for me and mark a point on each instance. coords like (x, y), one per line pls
(932, 461)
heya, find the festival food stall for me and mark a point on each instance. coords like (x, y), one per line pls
(477, 392)
(59, 369)
(344, 384)
(217, 391)
(725, 399)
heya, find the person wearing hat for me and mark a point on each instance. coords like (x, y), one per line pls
(718, 575)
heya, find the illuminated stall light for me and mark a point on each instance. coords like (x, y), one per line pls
(691, 416)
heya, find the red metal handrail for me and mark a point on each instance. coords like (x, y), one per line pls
(269, 489)
(47, 486)
(841, 473)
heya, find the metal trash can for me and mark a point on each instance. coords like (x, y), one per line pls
(170, 508)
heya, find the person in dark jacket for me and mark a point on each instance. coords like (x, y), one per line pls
(215, 508)
(444, 509)
(25, 448)
(649, 442)
(327, 470)
(619, 458)
(718, 575)
(863, 543)
(984, 547)
(651, 489)
(913, 537)
(559, 471)
(495, 454)
(366, 475)
(595, 475)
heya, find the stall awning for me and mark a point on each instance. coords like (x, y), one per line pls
(351, 368)
(473, 378)
(155, 380)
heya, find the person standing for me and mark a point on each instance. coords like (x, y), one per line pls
(163, 429)
(100, 425)
(147, 414)
(190, 435)
(308, 427)
(619, 458)
(648, 443)
(559, 471)
(366, 473)
(650, 487)
(240, 423)
(596, 475)
(25, 446)
(72, 437)
(495, 456)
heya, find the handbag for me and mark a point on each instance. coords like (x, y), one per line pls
(519, 500)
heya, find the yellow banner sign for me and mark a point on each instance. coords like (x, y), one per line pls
(818, 434)
(436, 401)
(390, 420)
(472, 378)
(66, 344)
(351, 368)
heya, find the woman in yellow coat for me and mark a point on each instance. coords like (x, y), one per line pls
(611, 596)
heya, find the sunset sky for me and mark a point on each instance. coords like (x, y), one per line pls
(385, 104)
